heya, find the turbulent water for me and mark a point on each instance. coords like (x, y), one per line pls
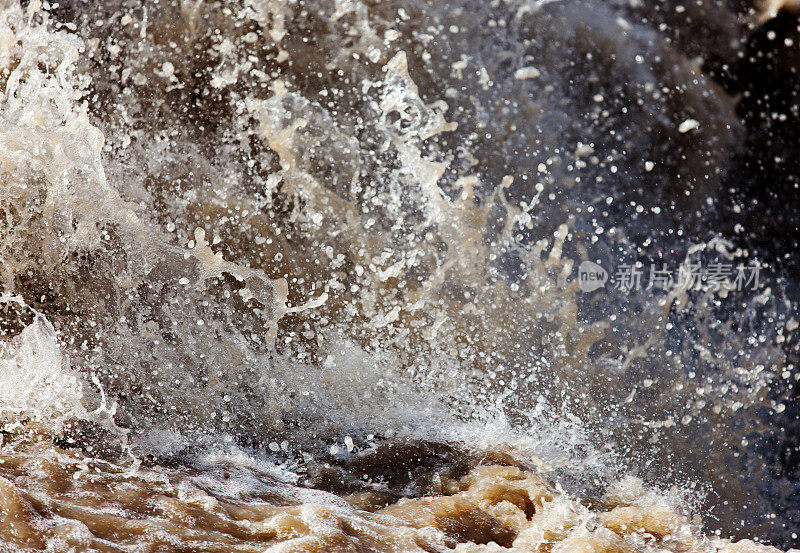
(303, 275)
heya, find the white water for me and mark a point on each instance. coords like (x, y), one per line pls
(297, 233)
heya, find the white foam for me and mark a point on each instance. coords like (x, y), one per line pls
(36, 382)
